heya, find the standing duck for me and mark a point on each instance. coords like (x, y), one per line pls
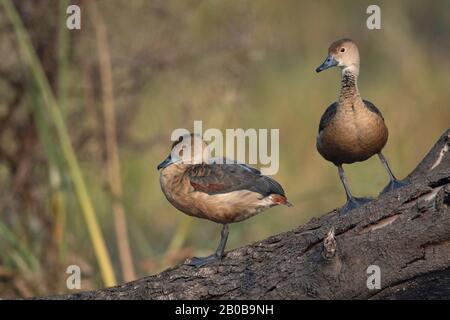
(221, 192)
(351, 129)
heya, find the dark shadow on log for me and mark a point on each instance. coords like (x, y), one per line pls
(406, 233)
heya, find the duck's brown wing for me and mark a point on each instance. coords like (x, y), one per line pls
(225, 178)
(327, 116)
(369, 105)
(223, 160)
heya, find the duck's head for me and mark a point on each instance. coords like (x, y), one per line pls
(187, 150)
(344, 54)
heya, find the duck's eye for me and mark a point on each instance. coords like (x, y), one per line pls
(342, 49)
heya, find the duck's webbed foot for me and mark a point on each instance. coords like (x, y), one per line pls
(200, 262)
(353, 203)
(394, 182)
(203, 261)
(392, 185)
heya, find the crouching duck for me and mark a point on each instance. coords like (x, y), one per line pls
(221, 192)
(351, 129)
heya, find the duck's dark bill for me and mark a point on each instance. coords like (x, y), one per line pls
(328, 63)
(165, 163)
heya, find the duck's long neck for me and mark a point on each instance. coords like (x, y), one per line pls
(349, 86)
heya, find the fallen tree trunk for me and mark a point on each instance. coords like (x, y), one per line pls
(406, 233)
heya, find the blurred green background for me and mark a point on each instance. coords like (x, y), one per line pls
(160, 65)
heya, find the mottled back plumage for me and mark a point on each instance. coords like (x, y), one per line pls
(224, 178)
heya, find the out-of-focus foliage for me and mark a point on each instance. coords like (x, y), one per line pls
(232, 64)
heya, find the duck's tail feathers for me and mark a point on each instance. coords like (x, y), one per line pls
(280, 199)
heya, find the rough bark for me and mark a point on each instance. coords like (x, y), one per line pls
(406, 233)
